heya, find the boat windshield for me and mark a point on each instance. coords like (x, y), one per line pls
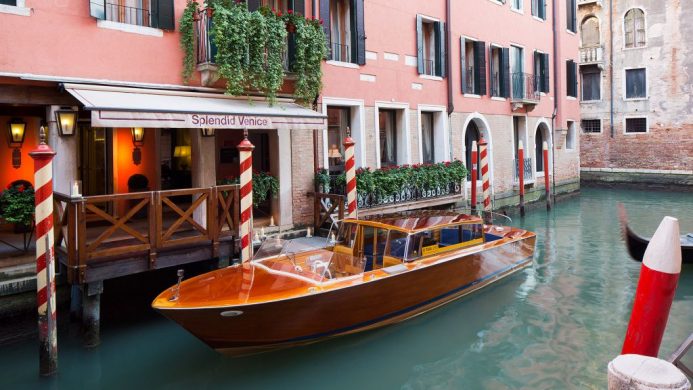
(306, 259)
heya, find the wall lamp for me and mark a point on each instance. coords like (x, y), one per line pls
(16, 129)
(138, 141)
(208, 132)
(67, 120)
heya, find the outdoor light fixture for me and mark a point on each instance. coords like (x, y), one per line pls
(67, 120)
(15, 137)
(137, 140)
(208, 132)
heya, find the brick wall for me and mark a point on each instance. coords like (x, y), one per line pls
(302, 176)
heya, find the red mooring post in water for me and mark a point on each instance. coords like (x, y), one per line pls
(485, 178)
(475, 160)
(521, 175)
(245, 152)
(659, 275)
(45, 264)
(545, 147)
(350, 166)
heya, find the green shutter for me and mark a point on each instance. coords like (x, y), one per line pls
(359, 52)
(164, 14)
(440, 48)
(504, 72)
(545, 79)
(480, 68)
(419, 45)
(463, 67)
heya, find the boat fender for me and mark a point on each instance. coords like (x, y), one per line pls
(231, 313)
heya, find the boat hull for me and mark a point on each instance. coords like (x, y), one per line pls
(252, 328)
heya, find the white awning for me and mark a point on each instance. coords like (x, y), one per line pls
(156, 108)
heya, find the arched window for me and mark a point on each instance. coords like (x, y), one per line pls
(590, 32)
(634, 28)
(471, 135)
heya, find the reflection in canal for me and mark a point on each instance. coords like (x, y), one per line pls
(554, 325)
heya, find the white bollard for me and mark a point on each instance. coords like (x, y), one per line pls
(638, 372)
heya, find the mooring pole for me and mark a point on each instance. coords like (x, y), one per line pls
(245, 149)
(521, 175)
(45, 260)
(350, 166)
(659, 276)
(475, 160)
(485, 179)
(545, 148)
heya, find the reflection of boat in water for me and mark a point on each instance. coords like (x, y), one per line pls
(637, 244)
(379, 271)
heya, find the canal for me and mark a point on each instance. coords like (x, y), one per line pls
(553, 326)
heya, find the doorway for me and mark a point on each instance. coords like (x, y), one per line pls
(95, 155)
(471, 135)
(176, 159)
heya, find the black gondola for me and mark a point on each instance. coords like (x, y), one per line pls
(637, 244)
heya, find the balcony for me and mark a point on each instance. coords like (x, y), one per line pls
(588, 2)
(592, 55)
(524, 93)
(526, 169)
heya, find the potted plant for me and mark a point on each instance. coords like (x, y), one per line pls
(322, 180)
(17, 202)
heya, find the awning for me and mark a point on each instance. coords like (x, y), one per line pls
(157, 108)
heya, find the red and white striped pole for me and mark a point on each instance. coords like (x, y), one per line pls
(245, 151)
(475, 160)
(521, 175)
(485, 180)
(659, 275)
(350, 166)
(45, 267)
(545, 147)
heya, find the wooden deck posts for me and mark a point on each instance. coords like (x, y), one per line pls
(91, 314)
(45, 256)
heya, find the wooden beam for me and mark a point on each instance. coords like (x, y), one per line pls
(29, 95)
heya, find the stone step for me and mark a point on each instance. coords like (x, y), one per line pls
(17, 271)
(18, 285)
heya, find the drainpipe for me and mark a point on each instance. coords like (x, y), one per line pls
(611, 66)
(448, 61)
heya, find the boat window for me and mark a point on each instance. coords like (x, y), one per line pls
(460, 234)
(397, 245)
(414, 248)
(441, 240)
(374, 241)
(347, 235)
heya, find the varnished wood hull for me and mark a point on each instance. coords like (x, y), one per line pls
(355, 308)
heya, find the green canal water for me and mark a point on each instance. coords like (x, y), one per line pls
(553, 326)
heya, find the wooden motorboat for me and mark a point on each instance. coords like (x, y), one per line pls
(636, 244)
(377, 271)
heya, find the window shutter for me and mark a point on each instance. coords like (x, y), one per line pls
(542, 9)
(463, 66)
(325, 17)
(545, 80)
(504, 72)
(571, 88)
(97, 9)
(490, 71)
(480, 68)
(419, 45)
(440, 48)
(253, 5)
(360, 41)
(536, 64)
(164, 14)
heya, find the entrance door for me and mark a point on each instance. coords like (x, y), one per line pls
(95, 154)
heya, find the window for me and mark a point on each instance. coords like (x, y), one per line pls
(9, 2)
(397, 244)
(591, 82)
(539, 9)
(517, 68)
(636, 125)
(146, 13)
(571, 78)
(427, 141)
(636, 83)
(541, 72)
(338, 120)
(570, 136)
(499, 71)
(571, 22)
(388, 137)
(590, 32)
(634, 28)
(430, 45)
(473, 66)
(591, 125)
(516, 5)
(343, 23)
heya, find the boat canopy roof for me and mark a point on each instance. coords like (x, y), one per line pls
(418, 220)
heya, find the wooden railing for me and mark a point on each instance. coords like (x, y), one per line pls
(100, 228)
(329, 208)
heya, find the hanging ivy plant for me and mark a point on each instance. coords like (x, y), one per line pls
(275, 49)
(187, 39)
(230, 31)
(310, 50)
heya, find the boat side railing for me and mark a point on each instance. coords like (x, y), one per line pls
(681, 351)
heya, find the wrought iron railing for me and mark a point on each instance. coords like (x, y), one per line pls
(340, 52)
(526, 169)
(592, 54)
(524, 87)
(131, 15)
(408, 193)
(495, 84)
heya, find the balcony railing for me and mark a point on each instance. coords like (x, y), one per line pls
(524, 87)
(131, 15)
(429, 67)
(340, 52)
(495, 84)
(469, 80)
(591, 55)
(526, 169)
(408, 193)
